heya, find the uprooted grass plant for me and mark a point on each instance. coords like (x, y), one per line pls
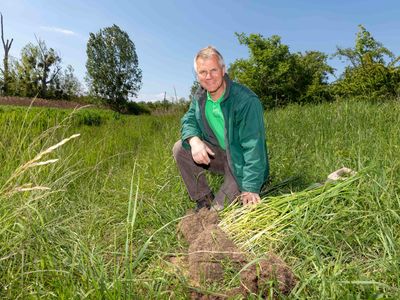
(101, 221)
(327, 234)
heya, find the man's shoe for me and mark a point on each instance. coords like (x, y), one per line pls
(205, 202)
(216, 206)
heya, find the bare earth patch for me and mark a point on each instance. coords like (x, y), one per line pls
(38, 102)
(211, 251)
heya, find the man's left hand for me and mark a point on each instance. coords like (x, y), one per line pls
(250, 198)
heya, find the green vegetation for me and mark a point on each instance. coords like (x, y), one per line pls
(279, 77)
(113, 71)
(373, 71)
(37, 68)
(100, 221)
(39, 73)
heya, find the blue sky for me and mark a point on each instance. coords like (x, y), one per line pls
(167, 34)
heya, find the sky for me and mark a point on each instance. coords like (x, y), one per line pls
(167, 34)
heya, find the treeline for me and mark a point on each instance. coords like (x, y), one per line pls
(280, 77)
(113, 75)
(39, 73)
(276, 75)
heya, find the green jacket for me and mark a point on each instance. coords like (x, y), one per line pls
(244, 133)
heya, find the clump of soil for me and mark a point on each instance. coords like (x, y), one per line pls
(210, 251)
(194, 223)
(270, 271)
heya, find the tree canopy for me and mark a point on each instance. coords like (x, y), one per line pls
(279, 77)
(373, 70)
(38, 68)
(39, 73)
(112, 65)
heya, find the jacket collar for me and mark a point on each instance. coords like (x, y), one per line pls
(228, 83)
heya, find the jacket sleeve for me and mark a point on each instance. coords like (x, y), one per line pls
(253, 144)
(189, 125)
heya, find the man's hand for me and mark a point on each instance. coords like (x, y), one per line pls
(250, 198)
(200, 151)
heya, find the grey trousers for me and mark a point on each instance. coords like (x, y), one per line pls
(194, 177)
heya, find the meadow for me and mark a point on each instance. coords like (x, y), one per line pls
(95, 217)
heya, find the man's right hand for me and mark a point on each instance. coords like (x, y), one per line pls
(200, 151)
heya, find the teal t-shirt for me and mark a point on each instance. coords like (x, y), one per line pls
(215, 118)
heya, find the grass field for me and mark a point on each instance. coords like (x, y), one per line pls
(101, 221)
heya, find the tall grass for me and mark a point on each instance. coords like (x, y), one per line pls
(342, 241)
(79, 238)
(106, 227)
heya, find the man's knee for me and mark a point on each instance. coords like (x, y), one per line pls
(177, 149)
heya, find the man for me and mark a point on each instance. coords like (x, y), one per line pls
(223, 132)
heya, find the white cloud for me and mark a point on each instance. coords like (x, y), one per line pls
(58, 30)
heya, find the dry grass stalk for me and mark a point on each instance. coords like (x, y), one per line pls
(8, 189)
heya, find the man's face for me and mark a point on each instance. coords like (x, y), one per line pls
(210, 74)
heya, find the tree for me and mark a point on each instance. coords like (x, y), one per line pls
(112, 65)
(66, 85)
(279, 77)
(37, 69)
(372, 72)
(70, 84)
(267, 71)
(7, 46)
(48, 66)
(312, 77)
(193, 89)
(27, 73)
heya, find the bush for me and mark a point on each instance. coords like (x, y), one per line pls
(133, 108)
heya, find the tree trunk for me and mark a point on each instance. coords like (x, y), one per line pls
(6, 46)
(5, 74)
(43, 88)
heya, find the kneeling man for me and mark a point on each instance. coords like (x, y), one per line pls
(222, 132)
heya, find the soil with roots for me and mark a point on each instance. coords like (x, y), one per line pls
(211, 253)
